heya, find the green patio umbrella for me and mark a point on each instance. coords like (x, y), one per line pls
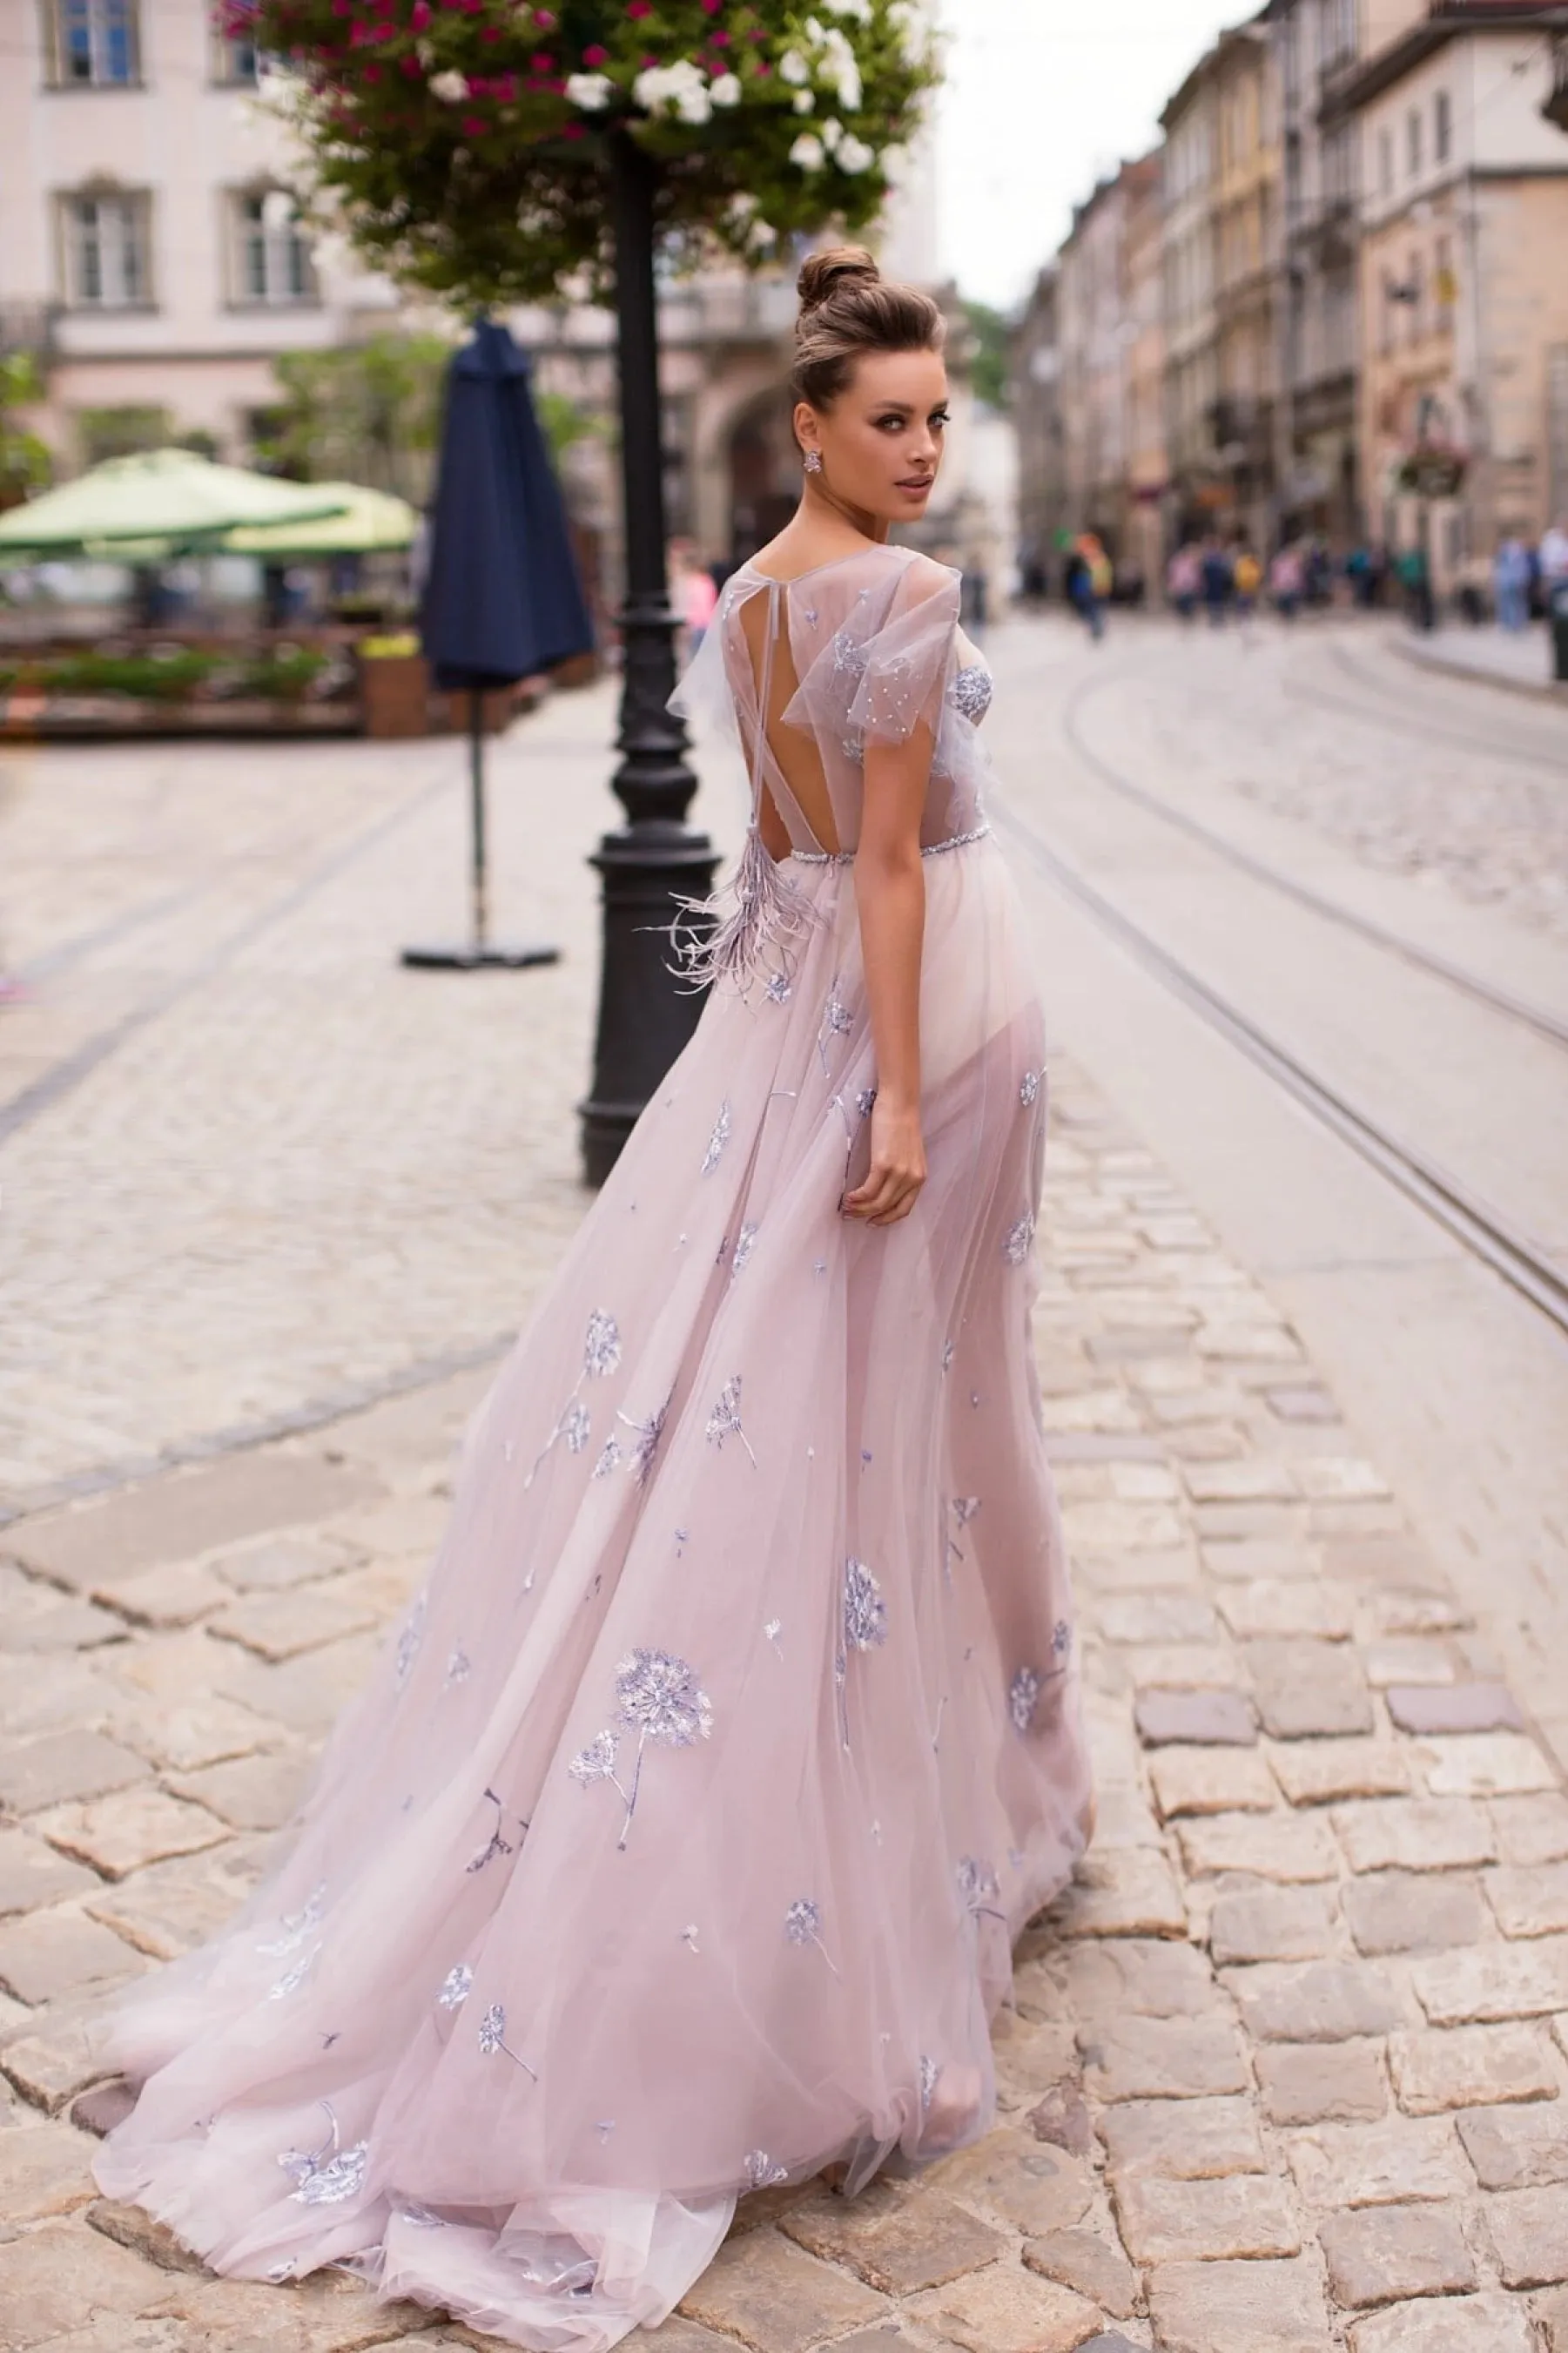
(173, 497)
(368, 523)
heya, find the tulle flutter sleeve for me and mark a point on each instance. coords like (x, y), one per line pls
(885, 668)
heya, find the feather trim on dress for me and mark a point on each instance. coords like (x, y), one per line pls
(768, 916)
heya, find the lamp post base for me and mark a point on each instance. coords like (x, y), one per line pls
(477, 959)
(644, 1017)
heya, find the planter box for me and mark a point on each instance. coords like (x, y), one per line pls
(395, 694)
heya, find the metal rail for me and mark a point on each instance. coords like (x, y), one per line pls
(1516, 1257)
(1516, 1009)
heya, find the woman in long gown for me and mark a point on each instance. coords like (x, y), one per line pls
(677, 1846)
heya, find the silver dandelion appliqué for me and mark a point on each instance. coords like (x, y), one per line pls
(1029, 1088)
(1023, 1698)
(803, 1926)
(459, 1668)
(328, 2175)
(865, 1611)
(724, 1421)
(866, 1101)
(658, 1696)
(779, 991)
(931, 2073)
(601, 1344)
(647, 1434)
(492, 2038)
(1061, 1638)
(609, 1457)
(292, 1980)
(297, 1926)
(745, 1242)
(719, 1139)
(574, 1428)
(979, 1886)
(947, 1356)
(408, 1643)
(762, 2173)
(495, 1844)
(456, 1987)
(1020, 1237)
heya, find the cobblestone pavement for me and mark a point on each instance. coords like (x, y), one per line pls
(1326, 724)
(1288, 2064)
(347, 1170)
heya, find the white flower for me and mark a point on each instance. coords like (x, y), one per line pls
(808, 152)
(726, 90)
(854, 155)
(804, 102)
(762, 237)
(859, 9)
(591, 90)
(813, 32)
(694, 106)
(907, 20)
(450, 86)
(793, 69)
(742, 205)
(832, 132)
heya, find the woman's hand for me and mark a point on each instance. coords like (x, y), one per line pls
(898, 1169)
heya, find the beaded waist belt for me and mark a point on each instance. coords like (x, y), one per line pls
(930, 850)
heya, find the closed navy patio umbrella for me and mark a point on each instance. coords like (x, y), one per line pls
(503, 597)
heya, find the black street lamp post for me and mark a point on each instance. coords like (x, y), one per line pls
(645, 1017)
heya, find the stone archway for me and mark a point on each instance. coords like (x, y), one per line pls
(763, 472)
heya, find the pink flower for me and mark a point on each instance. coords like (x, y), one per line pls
(474, 126)
(595, 54)
(420, 16)
(543, 62)
(491, 33)
(637, 9)
(340, 7)
(373, 73)
(412, 67)
(711, 7)
(545, 19)
(572, 131)
(720, 41)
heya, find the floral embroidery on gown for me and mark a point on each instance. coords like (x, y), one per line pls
(677, 1844)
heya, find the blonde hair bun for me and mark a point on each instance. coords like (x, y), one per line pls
(841, 270)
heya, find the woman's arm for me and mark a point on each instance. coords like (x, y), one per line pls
(890, 892)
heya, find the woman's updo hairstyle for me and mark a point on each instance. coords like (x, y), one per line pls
(847, 308)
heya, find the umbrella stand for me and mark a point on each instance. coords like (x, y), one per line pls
(480, 953)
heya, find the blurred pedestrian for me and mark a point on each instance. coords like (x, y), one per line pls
(1287, 581)
(1246, 576)
(1510, 584)
(1360, 574)
(1087, 583)
(1184, 579)
(1217, 581)
(697, 598)
(1554, 558)
(1415, 578)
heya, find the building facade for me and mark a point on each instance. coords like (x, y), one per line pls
(1109, 326)
(1191, 277)
(1248, 280)
(1463, 408)
(1035, 398)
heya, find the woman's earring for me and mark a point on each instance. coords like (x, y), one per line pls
(814, 461)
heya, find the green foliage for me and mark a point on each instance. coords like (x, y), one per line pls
(366, 412)
(175, 674)
(565, 421)
(991, 334)
(466, 149)
(24, 461)
(122, 431)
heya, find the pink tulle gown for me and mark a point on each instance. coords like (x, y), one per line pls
(677, 1845)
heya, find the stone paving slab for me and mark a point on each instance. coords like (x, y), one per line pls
(1288, 2066)
(1286, 2069)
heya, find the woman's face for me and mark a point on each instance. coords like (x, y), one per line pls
(881, 441)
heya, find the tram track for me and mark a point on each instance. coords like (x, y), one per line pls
(1458, 976)
(1396, 717)
(1484, 1232)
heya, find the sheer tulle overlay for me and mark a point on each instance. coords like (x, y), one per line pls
(677, 1845)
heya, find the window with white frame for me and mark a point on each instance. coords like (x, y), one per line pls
(1442, 127)
(94, 44)
(1385, 162)
(1412, 142)
(235, 61)
(272, 252)
(107, 240)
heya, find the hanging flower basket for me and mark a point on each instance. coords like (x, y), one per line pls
(461, 145)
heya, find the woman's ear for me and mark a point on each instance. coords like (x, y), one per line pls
(807, 430)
